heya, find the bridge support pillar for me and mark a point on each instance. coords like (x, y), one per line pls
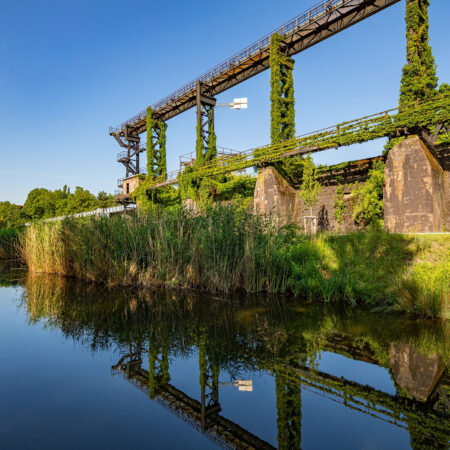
(414, 196)
(156, 147)
(205, 148)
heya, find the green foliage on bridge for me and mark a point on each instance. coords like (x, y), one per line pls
(424, 114)
(156, 147)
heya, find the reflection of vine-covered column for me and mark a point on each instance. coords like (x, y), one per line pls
(205, 148)
(158, 372)
(156, 147)
(289, 411)
(282, 102)
(209, 382)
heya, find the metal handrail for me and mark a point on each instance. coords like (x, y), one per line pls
(310, 15)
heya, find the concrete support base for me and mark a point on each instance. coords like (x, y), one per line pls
(273, 195)
(414, 189)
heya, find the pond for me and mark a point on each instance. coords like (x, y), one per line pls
(89, 367)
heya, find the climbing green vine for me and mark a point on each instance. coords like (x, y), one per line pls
(282, 102)
(419, 80)
(339, 205)
(428, 113)
(368, 205)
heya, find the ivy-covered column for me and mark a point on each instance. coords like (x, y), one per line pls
(156, 147)
(282, 102)
(205, 147)
(419, 80)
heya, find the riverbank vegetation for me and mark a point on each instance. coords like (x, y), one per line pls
(225, 249)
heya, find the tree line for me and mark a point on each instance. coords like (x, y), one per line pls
(43, 203)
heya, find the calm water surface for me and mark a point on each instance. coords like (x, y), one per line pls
(84, 367)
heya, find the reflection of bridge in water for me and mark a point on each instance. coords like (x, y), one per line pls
(427, 429)
(202, 415)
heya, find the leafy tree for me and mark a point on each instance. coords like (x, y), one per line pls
(81, 200)
(105, 200)
(42, 204)
(11, 216)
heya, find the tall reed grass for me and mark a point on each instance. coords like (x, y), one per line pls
(224, 249)
(220, 250)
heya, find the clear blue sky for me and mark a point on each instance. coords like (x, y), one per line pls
(70, 69)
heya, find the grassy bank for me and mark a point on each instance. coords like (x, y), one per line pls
(9, 239)
(227, 250)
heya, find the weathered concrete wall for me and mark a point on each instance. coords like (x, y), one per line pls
(414, 198)
(274, 195)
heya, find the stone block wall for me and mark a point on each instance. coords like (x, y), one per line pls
(274, 195)
(414, 194)
(443, 153)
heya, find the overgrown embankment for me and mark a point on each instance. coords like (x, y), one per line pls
(9, 238)
(226, 250)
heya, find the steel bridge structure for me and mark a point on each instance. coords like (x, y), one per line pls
(203, 418)
(432, 113)
(321, 21)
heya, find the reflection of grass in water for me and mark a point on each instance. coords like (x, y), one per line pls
(272, 331)
(248, 317)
